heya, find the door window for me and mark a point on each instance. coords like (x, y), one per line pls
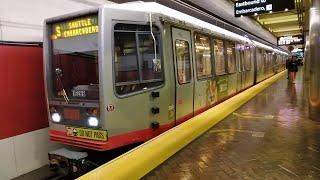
(247, 58)
(183, 61)
(231, 57)
(220, 64)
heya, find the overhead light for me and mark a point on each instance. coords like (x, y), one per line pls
(286, 9)
(270, 12)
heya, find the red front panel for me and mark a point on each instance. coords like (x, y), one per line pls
(22, 97)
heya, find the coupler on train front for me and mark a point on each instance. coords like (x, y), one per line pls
(69, 163)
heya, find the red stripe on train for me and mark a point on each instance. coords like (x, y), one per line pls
(127, 138)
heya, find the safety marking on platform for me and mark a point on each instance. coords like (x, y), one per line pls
(253, 133)
(252, 116)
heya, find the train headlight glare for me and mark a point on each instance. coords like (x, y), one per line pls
(93, 121)
(56, 117)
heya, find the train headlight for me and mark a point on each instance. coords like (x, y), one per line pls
(93, 121)
(56, 117)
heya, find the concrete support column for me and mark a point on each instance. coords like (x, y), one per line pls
(314, 35)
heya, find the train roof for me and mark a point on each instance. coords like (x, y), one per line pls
(156, 8)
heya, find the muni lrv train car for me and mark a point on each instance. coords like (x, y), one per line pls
(124, 73)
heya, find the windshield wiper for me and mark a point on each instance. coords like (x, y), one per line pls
(59, 74)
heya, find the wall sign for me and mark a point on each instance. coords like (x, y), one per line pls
(250, 7)
(290, 40)
(75, 27)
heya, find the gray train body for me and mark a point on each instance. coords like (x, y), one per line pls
(114, 87)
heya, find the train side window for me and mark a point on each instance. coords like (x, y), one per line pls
(220, 65)
(137, 67)
(183, 61)
(203, 56)
(231, 57)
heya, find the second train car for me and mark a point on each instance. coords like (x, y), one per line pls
(124, 73)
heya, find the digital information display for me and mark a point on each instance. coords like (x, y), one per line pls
(290, 40)
(75, 27)
(250, 7)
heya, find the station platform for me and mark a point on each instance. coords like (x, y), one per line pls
(270, 137)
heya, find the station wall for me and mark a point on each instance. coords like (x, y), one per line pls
(22, 93)
(24, 141)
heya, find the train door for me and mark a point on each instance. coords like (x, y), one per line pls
(239, 67)
(181, 41)
(243, 70)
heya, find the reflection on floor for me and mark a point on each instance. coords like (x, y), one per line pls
(270, 137)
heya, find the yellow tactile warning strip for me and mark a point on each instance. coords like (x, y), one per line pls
(141, 160)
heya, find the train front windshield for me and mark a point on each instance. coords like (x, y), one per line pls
(74, 59)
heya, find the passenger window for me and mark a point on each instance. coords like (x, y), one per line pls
(231, 58)
(220, 65)
(183, 61)
(136, 64)
(203, 56)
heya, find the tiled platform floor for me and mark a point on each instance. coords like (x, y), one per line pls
(270, 137)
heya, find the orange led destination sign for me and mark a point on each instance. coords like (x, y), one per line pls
(75, 27)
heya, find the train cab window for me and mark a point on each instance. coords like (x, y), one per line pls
(203, 56)
(231, 57)
(183, 61)
(126, 59)
(150, 62)
(220, 65)
(137, 61)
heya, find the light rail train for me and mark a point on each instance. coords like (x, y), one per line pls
(124, 73)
